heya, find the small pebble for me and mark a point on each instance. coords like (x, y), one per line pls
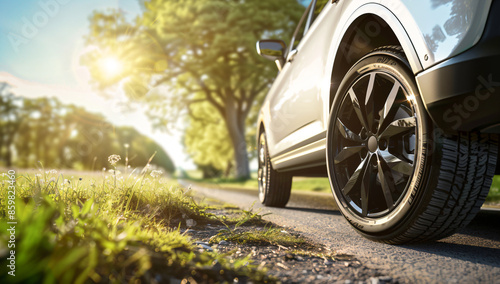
(204, 246)
(328, 262)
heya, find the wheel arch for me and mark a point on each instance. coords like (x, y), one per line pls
(369, 27)
(261, 128)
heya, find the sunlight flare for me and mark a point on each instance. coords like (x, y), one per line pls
(111, 66)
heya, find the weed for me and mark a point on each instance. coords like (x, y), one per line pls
(109, 228)
(266, 236)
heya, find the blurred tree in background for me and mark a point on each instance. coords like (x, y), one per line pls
(206, 142)
(9, 122)
(65, 136)
(189, 58)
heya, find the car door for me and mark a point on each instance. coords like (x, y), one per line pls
(297, 108)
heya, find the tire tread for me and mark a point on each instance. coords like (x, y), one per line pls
(463, 182)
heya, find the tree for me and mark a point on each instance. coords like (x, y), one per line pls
(141, 148)
(9, 122)
(204, 51)
(43, 130)
(206, 142)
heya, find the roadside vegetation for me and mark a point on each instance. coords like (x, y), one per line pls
(59, 135)
(115, 227)
(299, 183)
(494, 195)
(306, 184)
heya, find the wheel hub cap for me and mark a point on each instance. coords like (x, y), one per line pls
(372, 144)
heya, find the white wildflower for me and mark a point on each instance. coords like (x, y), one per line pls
(113, 159)
(190, 223)
(53, 171)
(156, 173)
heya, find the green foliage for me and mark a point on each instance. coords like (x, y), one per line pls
(266, 236)
(204, 53)
(235, 232)
(494, 194)
(43, 130)
(91, 229)
(313, 184)
(206, 141)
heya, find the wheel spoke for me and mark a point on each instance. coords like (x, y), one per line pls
(358, 109)
(396, 163)
(399, 126)
(262, 155)
(264, 175)
(389, 108)
(386, 180)
(368, 182)
(347, 133)
(348, 152)
(353, 180)
(369, 105)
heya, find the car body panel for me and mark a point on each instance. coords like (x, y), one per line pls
(448, 27)
(295, 113)
(295, 116)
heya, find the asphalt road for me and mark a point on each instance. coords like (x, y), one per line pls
(470, 256)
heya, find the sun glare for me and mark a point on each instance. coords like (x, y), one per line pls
(111, 66)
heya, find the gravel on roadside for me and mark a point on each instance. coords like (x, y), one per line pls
(305, 263)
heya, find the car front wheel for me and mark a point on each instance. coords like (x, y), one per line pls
(394, 175)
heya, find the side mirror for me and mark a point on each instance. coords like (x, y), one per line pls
(272, 49)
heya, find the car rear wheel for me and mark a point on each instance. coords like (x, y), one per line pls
(274, 187)
(394, 175)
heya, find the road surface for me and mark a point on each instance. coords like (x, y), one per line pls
(470, 256)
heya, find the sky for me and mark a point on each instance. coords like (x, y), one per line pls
(40, 45)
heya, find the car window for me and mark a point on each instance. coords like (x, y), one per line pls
(305, 3)
(318, 7)
(300, 30)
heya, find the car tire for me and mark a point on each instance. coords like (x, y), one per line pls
(396, 177)
(274, 187)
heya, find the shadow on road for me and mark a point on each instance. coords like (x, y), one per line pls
(479, 242)
(312, 210)
(486, 225)
(475, 254)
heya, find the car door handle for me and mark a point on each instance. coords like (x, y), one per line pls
(291, 55)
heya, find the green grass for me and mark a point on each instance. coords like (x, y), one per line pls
(265, 236)
(110, 228)
(299, 183)
(494, 194)
(318, 185)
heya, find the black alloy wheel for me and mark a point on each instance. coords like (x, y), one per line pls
(395, 176)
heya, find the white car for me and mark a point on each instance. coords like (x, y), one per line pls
(397, 102)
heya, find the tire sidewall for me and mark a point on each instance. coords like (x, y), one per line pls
(395, 66)
(263, 188)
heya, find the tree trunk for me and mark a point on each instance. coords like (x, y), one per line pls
(236, 129)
